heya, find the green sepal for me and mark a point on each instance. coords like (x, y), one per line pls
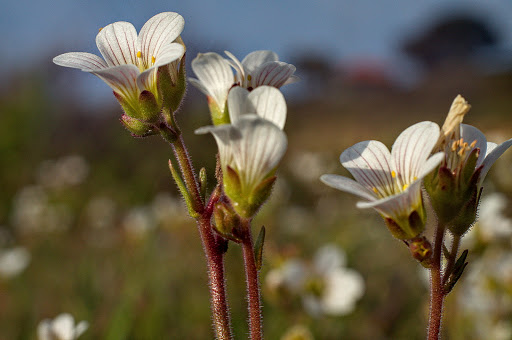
(409, 227)
(231, 184)
(226, 221)
(442, 188)
(467, 214)
(183, 190)
(172, 91)
(149, 108)
(458, 269)
(218, 117)
(128, 108)
(136, 127)
(470, 165)
(258, 248)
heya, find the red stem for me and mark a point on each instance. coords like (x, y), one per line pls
(252, 281)
(436, 288)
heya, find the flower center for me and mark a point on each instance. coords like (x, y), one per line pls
(141, 63)
(457, 153)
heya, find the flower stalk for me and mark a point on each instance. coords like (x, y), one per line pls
(437, 293)
(252, 282)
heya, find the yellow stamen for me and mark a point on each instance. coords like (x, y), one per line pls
(454, 146)
(393, 174)
(405, 187)
(415, 178)
(99, 30)
(375, 190)
(153, 59)
(139, 54)
(472, 145)
(249, 77)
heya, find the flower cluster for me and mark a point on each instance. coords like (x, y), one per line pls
(326, 286)
(249, 113)
(390, 182)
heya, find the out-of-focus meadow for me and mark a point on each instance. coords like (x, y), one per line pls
(100, 231)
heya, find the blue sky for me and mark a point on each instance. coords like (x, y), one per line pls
(339, 29)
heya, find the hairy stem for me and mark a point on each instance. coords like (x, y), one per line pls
(213, 247)
(252, 281)
(436, 287)
(215, 260)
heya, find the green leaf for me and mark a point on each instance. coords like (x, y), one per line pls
(258, 248)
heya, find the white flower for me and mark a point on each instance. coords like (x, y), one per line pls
(339, 287)
(391, 182)
(131, 61)
(262, 68)
(215, 77)
(266, 101)
(61, 328)
(13, 261)
(249, 151)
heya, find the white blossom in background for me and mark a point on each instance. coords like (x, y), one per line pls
(390, 182)
(100, 212)
(66, 171)
(298, 332)
(340, 287)
(168, 209)
(13, 261)
(139, 221)
(492, 222)
(131, 61)
(326, 286)
(308, 166)
(484, 294)
(61, 328)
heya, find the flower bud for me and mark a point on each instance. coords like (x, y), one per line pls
(137, 127)
(226, 221)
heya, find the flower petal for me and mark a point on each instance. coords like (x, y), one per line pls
(116, 43)
(238, 104)
(215, 76)
(348, 185)
(257, 58)
(237, 65)
(329, 258)
(431, 164)
(291, 80)
(399, 205)
(370, 164)
(259, 150)
(121, 79)
(80, 328)
(469, 134)
(63, 326)
(80, 60)
(168, 54)
(411, 150)
(274, 73)
(270, 104)
(492, 157)
(44, 330)
(158, 31)
(224, 135)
